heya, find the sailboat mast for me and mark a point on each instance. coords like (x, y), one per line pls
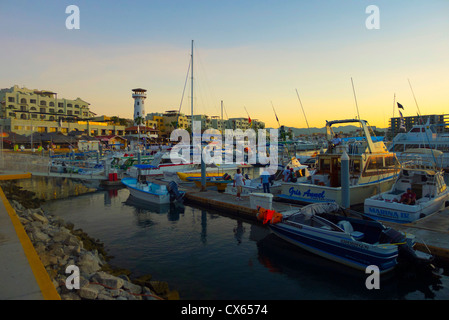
(310, 134)
(355, 98)
(191, 86)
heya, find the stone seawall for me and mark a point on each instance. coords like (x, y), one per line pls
(59, 245)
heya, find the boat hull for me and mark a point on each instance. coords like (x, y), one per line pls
(378, 208)
(339, 248)
(160, 197)
(310, 193)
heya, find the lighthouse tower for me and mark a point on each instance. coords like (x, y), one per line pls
(139, 96)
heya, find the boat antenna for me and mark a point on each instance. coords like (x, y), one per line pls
(275, 114)
(310, 134)
(249, 118)
(419, 112)
(419, 117)
(392, 127)
(355, 98)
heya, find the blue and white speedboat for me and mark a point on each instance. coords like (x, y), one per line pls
(142, 189)
(354, 240)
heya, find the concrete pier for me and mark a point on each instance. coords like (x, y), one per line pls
(432, 232)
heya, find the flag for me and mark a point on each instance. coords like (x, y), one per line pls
(401, 123)
(400, 106)
(249, 119)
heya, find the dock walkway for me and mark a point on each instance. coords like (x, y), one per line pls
(23, 275)
(432, 232)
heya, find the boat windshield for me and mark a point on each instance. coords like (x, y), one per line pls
(313, 221)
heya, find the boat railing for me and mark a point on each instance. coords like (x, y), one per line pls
(416, 162)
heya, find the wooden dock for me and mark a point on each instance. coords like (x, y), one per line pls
(432, 232)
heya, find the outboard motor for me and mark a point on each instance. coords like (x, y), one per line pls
(406, 254)
(175, 194)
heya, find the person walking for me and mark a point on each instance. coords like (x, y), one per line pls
(265, 180)
(239, 181)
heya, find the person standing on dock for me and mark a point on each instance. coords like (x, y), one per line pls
(265, 180)
(239, 181)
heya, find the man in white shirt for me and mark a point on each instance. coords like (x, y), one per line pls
(239, 181)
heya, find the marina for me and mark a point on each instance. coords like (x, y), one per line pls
(146, 166)
(212, 234)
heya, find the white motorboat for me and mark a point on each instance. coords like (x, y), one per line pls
(373, 169)
(151, 192)
(427, 184)
(161, 163)
(423, 142)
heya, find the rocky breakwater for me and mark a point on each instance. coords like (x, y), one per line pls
(59, 246)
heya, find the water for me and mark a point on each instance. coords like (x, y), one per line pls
(208, 255)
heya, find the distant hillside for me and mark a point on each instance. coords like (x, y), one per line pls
(343, 129)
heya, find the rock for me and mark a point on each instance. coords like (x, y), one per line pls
(61, 236)
(131, 287)
(88, 263)
(172, 295)
(40, 236)
(90, 291)
(108, 280)
(37, 217)
(70, 296)
(48, 259)
(160, 287)
(103, 296)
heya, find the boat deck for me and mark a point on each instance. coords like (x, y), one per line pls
(431, 232)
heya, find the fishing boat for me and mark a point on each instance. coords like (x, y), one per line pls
(425, 182)
(220, 182)
(160, 163)
(345, 236)
(424, 142)
(144, 190)
(372, 170)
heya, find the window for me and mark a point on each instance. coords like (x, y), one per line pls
(51, 104)
(375, 163)
(32, 100)
(60, 111)
(69, 105)
(10, 99)
(77, 106)
(43, 103)
(34, 116)
(23, 116)
(60, 105)
(32, 109)
(42, 110)
(325, 164)
(51, 110)
(23, 101)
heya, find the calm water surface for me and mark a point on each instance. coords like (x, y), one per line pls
(208, 255)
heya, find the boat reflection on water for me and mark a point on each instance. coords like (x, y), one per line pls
(309, 270)
(143, 209)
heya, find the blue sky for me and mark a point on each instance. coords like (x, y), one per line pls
(247, 53)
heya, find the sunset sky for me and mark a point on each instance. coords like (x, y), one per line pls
(250, 54)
